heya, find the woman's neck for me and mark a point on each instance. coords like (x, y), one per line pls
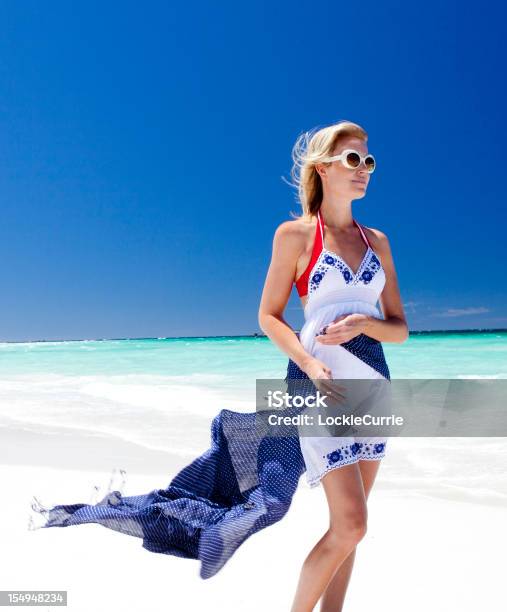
(337, 213)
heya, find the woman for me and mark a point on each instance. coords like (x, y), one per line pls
(339, 283)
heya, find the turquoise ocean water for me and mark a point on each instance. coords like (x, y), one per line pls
(153, 391)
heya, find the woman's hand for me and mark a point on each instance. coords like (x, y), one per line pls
(316, 369)
(343, 329)
(322, 378)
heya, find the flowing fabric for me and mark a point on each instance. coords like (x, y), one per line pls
(243, 483)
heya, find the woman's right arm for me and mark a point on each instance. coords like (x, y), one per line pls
(288, 244)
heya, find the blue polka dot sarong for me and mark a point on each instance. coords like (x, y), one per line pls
(367, 349)
(243, 483)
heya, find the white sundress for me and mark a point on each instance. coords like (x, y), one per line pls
(333, 290)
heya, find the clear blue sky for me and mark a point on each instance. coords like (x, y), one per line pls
(142, 147)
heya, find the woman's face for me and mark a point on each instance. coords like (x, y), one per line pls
(337, 180)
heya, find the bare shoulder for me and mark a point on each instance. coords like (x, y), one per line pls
(293, 235)
(377, 238)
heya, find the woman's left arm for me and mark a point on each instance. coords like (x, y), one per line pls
(393, 328)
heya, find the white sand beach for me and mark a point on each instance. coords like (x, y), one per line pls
(436, 535)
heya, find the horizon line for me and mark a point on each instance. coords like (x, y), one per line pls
(254, 335)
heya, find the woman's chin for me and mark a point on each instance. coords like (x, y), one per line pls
(358, 194)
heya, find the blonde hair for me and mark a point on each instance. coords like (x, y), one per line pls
(310, 149)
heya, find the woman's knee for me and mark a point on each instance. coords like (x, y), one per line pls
(350, 527)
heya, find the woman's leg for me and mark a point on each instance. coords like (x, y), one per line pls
(347, 526)
(334, 595)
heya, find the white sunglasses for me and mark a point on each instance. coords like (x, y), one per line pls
(352, 159)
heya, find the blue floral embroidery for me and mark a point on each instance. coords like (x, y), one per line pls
(356, 449)
(365, 274)
(317, 277)
(372, 267)
(334, 456)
